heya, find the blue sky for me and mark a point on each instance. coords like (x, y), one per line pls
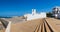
(21, 7)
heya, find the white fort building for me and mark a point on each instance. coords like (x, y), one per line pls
(35, 15)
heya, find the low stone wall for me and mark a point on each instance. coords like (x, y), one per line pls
(6, 24)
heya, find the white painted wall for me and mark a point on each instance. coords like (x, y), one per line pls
(35, 16)
(8, 27)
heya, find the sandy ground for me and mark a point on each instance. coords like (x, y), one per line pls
(15, 20)
(2, 30)
(28, 26)
(54, 23)
(33, 25)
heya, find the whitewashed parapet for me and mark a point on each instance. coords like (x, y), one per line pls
(8, 27)
(7, 24)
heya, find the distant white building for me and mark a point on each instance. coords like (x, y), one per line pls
(35, 15)
(56, 12)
